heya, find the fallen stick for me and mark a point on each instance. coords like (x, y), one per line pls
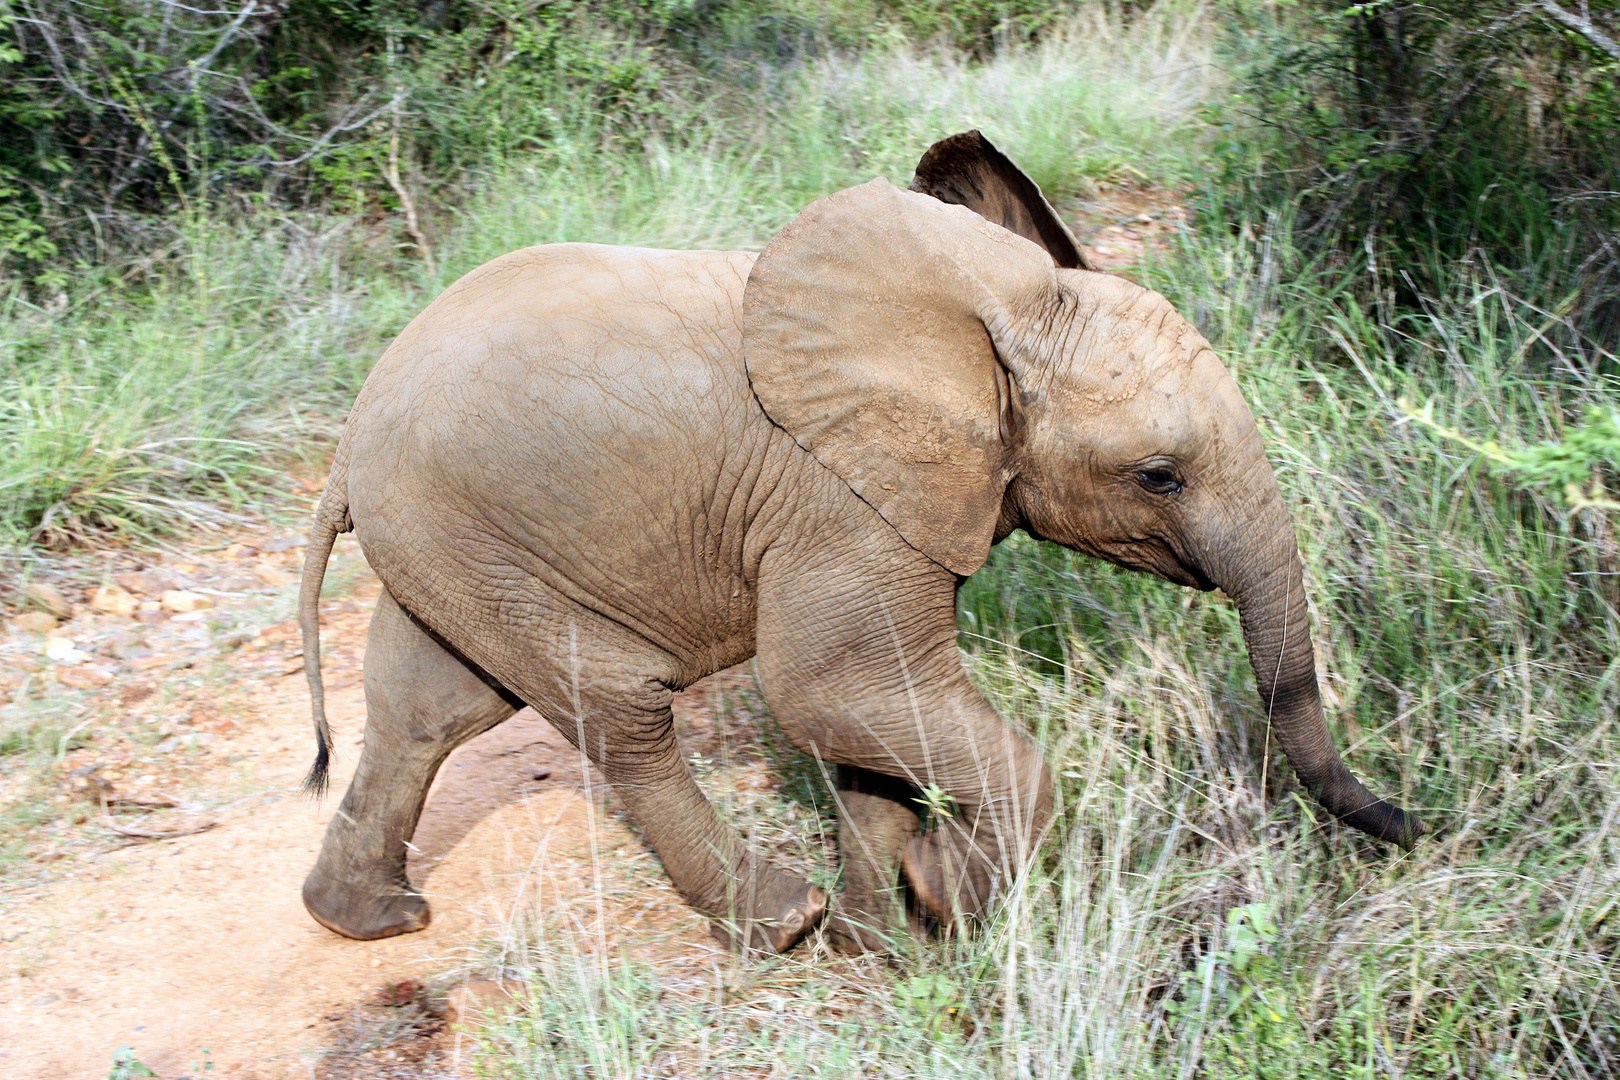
(109, 824)
(153, 834)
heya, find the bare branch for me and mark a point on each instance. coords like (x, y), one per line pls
(198, 66)
(1581, 25)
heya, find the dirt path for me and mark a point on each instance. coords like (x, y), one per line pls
(196, 950)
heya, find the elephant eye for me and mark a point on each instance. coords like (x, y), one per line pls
(1160, 481)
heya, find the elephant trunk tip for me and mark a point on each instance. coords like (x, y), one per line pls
(1382, 821)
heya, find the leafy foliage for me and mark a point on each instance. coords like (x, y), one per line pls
(1571, 467)
(1417, 133)
(111, 110)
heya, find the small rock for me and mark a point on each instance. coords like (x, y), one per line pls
(480, 1001)
(239, 583)
(33, 622)
(282, 543)
(183, 602)
(144, 583)
(114, 600)
(273, 576)
(61, 650)
(88, 677)
(48, 598)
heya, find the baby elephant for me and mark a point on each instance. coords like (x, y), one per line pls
(589, 476)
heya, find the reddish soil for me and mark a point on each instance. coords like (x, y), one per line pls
(195, 949)
(1121, 225)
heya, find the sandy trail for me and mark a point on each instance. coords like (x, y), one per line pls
(196, 950)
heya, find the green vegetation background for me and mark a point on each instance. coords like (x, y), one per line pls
(1405, 243)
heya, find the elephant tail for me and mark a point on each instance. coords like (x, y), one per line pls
(331, 518)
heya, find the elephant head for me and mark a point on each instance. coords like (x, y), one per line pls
(958, 368)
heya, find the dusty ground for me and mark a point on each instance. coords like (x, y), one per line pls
(195, 949)
(187, 949)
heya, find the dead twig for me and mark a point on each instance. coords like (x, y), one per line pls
(110, 825)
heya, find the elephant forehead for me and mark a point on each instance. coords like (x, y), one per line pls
(1127, 343)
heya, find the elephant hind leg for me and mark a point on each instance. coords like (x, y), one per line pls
(422, 701)
(875, 820)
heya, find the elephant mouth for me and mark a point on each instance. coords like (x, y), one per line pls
(1157, 557)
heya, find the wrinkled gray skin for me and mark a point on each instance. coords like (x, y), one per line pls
(589, 476)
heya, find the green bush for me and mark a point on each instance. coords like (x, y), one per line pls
(1418, 134)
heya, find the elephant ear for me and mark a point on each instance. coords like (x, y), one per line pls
(864, 336)
(966, 169)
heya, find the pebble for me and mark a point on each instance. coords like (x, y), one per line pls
(33, 622)
(114, 600)
(61, 650)
(184, 603)
(88, 677)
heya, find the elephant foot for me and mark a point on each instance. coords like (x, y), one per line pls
(363, 915)
(783, 925)
(855, 932)
(946, 885)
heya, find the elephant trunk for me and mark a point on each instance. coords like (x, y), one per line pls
(1268, 587)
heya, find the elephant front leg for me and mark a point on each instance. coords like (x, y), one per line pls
(752, 905)
(862, 669)
(421, 703)
(959, 865)
(875, 820)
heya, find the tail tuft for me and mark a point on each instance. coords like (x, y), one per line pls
(318, 780)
